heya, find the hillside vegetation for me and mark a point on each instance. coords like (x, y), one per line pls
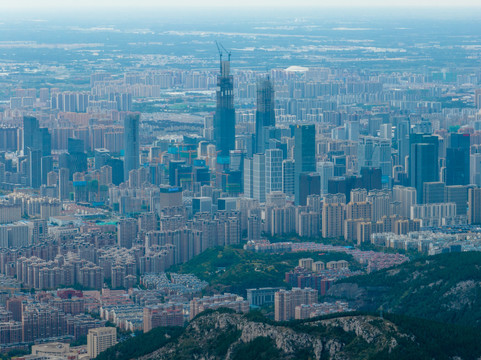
(445, 288)
(232, 269)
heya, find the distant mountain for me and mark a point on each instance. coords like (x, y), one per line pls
(226, 335)
(445, 288)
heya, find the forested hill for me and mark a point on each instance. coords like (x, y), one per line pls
(445, 288)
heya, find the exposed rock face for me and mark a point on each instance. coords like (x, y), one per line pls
(321, 338)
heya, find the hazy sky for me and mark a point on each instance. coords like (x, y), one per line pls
(85, 4)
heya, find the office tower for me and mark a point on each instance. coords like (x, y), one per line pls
(326, 171)
(45, 139)
(34, 167)
(77, 158)
(63, 184)
(402, 141)
(2, 172)
(288, 177)
(100, 339)
(352, 130)
(385, 131)
(126, 232)
(273, 170)
(304, 154)
(375, 153)
(30, 133)
(474, 206)
(433, 192)
(265, 115)
(173, 166)
(52, 178)
(457, 159)
(259, 178)
(423, 161)
(406, 196)
(236, 160)
(101, 157)
(458, 194)
(309, 184)
(46, 167)
(475, 169)
(117, 166)
(201, 204)
(131, 143)
(248, 178)
(224, 119)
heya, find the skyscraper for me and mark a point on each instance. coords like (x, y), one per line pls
(131, 143)
(35, 137)
(273, 170)
(326, 171)
(304, 153)
(423, 162)
(259, 178)
(30, 130)
(47, 166)
(224, 119)
(457, 159)
(288, 177)
(63, 184)
(34, 169)
(474, 206)
(265, 115)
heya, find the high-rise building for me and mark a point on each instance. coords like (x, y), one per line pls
(285, 302)
(224, 119)
(35, 167)
(131, 144)
(458, 194)
(380, 201)
(100, 339)
(265, 115)
(288, 177)
(457, 159)
(475, 169)
(474, 206)
(433, 192)
(273, 170)
(259, 178)
(248, 178)
(309, 184)
(423, 161)
(304, 154)
(406, 196)
(326, 171)
(127, 232)
(46, 167)
(333, 216)
(63, 184)
(30, 134)
(374, 152)
(77, 158)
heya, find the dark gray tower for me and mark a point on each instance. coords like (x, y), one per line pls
(131, 144)
(265, 115)
(224, 119)
(304, 154)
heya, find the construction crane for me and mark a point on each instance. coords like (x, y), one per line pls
(221, 49)
(227, 52)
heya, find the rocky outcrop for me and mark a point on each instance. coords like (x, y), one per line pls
(323, 338)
